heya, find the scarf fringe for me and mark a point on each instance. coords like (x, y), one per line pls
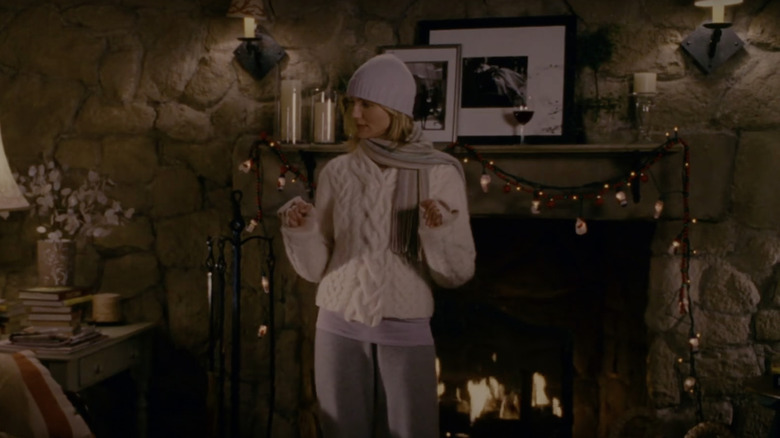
(405, 239)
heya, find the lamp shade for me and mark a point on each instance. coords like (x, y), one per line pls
(711, 3)
(248, 9)
(11, 197)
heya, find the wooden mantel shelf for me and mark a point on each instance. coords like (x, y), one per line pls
(547, 149)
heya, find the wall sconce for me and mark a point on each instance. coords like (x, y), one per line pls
(258, 52)
(11, 197)
(713, 43)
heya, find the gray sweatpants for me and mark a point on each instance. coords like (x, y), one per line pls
(367, 390)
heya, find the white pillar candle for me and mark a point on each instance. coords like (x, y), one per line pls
(644, 82)
(290, 108)
(249, 27)
(105, 307)
(325, 121)
(718, 13)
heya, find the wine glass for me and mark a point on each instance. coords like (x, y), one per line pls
(523, 113)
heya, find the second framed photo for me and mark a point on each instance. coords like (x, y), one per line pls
(436, 70)
(517, 77)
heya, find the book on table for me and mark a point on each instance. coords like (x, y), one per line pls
(69, 302)
(57, 307)
(51, 293)
(67, 320)
(72, 324)
(69, 317)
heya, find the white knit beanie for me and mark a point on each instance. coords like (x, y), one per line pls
(385, 79)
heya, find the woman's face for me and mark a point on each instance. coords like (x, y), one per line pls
(371, 120)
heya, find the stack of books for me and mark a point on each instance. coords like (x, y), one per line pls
(54, 307)
(52, 320)
(12, 316)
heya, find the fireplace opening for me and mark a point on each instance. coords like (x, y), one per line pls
(548, 339)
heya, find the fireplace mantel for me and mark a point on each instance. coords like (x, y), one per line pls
(547, 149)
(561, 165)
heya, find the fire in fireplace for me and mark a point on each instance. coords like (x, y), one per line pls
(499, 377)
(548, 340)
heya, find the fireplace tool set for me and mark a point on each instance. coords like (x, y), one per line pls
(216, 286)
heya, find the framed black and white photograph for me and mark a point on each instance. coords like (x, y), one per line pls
(436, 71)
(517, 77)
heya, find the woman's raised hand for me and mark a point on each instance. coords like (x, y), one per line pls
(432, 213)
(296, 214)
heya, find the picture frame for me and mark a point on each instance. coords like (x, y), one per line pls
(507, 63)
(436, 70)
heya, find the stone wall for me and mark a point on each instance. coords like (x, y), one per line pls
(148, 93)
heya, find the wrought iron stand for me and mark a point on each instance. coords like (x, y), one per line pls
(217, 319)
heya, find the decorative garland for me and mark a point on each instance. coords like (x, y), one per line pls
(552, 194)
(595, 191)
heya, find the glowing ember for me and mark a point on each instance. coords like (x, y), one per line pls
(556, 407)
(480, 392)
(440, 388)
(538, 392)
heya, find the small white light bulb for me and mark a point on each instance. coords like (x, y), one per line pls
(245, 166)
(251, 226)
(689, 383)
(620, 195)
(658, 208)
(694, 344)
(580, 227)
(484, 181)
(535, 206)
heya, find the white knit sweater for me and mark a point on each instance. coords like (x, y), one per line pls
(345, 244)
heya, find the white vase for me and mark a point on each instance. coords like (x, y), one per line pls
(56, 262)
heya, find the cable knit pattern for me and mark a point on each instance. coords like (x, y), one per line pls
(362, 278)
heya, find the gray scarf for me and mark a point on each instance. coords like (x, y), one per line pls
(413, 160)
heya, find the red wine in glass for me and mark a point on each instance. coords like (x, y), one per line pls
(523, 115)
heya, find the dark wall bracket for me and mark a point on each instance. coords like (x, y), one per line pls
(711, 45)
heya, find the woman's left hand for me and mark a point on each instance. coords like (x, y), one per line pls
(432, 213)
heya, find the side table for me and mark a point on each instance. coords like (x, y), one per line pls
(126, 347)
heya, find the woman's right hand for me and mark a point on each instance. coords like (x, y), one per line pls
(296, 214)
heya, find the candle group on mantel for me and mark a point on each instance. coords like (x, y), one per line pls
(644, 83)
(290, 111)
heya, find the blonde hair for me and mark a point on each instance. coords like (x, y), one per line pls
(401, 125)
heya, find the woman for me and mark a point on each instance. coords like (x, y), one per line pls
(374, 261)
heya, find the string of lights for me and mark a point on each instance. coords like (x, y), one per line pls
(596, 191)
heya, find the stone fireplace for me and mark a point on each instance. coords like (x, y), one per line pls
(548, 339)
(594, 318)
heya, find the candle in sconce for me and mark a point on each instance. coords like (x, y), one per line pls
(718, 13)
(290, 111)
(644, 83)
(249, 27)
(324, 117)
